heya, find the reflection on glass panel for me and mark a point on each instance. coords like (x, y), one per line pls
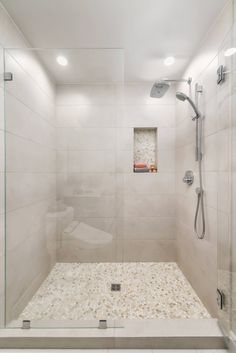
(2, 184)
(63, 196)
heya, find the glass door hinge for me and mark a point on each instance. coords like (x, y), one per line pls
(221, 74)
(25, 324)
(8, 76)
(102, 324)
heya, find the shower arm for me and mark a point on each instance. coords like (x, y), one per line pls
(188, 81)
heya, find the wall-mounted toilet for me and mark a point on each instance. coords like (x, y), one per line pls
(88, 237)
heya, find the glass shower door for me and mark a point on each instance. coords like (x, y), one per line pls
(63, 188)
(226, 295)
(232, 333)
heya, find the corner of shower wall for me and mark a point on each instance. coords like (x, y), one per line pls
(201, 266)
(228, 267)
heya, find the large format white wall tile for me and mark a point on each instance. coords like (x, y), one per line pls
(29, 157)
(148, 228)
(166, 138)
(28, 60)
(18, 227)
(92, 206)
(124, 161)
(160, 183)
(91, 138)
(95, 160)
(149, 250)
(27, 91)
(28, 116)
(147, 205)
(91, 161)
(73, 95)
(98, 184)
(22, 121)
(86, 116)
(145, 115)
(201, 265)
(124, 139)
(24, 189)
(165, 161)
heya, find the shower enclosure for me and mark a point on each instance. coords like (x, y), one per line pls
(64, 186)
(226, 233)
(89, 240)
(98, 221)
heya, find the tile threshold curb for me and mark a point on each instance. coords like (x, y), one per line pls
(150, 334)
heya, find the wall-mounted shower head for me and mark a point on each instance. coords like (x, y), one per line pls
(159, 89)
(182, 97)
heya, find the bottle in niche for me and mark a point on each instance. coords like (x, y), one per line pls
(153, 168)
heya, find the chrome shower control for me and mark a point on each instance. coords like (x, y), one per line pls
(188, 177)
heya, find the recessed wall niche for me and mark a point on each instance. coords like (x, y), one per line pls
(145, 150)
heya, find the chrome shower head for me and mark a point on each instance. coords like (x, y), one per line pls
(159, 89)
(182, 97)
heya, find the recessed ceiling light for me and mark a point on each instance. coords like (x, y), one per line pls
(230, 51)
(170, 60)
(62, 61)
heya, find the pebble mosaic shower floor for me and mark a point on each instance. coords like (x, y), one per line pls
(82, 291)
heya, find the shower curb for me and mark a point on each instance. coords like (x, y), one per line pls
(160, 333)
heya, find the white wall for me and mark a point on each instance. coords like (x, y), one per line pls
(30, 169)
(198, 258)
(95, 156)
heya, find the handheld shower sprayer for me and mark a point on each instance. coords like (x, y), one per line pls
(181, 96)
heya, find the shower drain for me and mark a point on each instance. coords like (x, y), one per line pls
(115, 287)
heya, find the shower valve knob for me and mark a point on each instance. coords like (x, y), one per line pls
(188, 177)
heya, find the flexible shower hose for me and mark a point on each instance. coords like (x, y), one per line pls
(199, 190)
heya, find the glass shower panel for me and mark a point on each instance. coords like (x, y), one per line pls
(2, 194)
(224, 188)
(232, 334)
(63, 186)
(226, 295)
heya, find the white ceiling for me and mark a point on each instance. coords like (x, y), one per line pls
(147, 30)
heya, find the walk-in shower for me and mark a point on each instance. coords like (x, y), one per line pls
(107, 190)
(101, 225)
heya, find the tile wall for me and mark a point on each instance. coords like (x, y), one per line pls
(30, 170)
(198, 258)
(95, 161)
